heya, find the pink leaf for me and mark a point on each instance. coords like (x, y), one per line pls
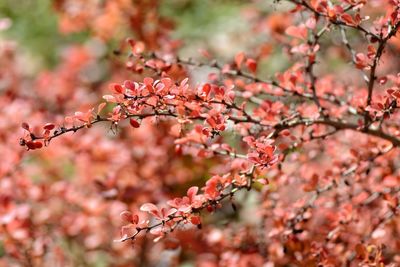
(109, 98)
(192, 192)
(311, 23)
(127, 216)
(116, 88)
(239, 59)
(297, 32)
(148, 207)
(101, 107)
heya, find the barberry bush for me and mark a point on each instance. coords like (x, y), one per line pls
(272, 141)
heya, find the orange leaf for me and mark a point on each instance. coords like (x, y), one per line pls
(239, 59)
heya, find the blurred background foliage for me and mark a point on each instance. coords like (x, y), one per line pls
(34, 25)
(213, 24)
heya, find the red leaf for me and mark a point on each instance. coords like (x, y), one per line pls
(206, 89)
(152, 101)
(116, 88)
(195, 220)
(285, 132)
(347, 19)
(251, 65)
(134, 123)
(38, 144)
(148, 81)
(34, 144)
(49, 126)
(129, 85)
(30, 145)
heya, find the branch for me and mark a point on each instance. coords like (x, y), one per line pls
(339, 126)
(334, 21)
(372, 74)
(310, 69)
(177, 219)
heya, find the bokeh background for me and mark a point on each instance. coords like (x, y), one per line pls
(60, 206)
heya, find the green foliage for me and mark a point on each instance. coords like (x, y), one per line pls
(35, 28)
(197, 19)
